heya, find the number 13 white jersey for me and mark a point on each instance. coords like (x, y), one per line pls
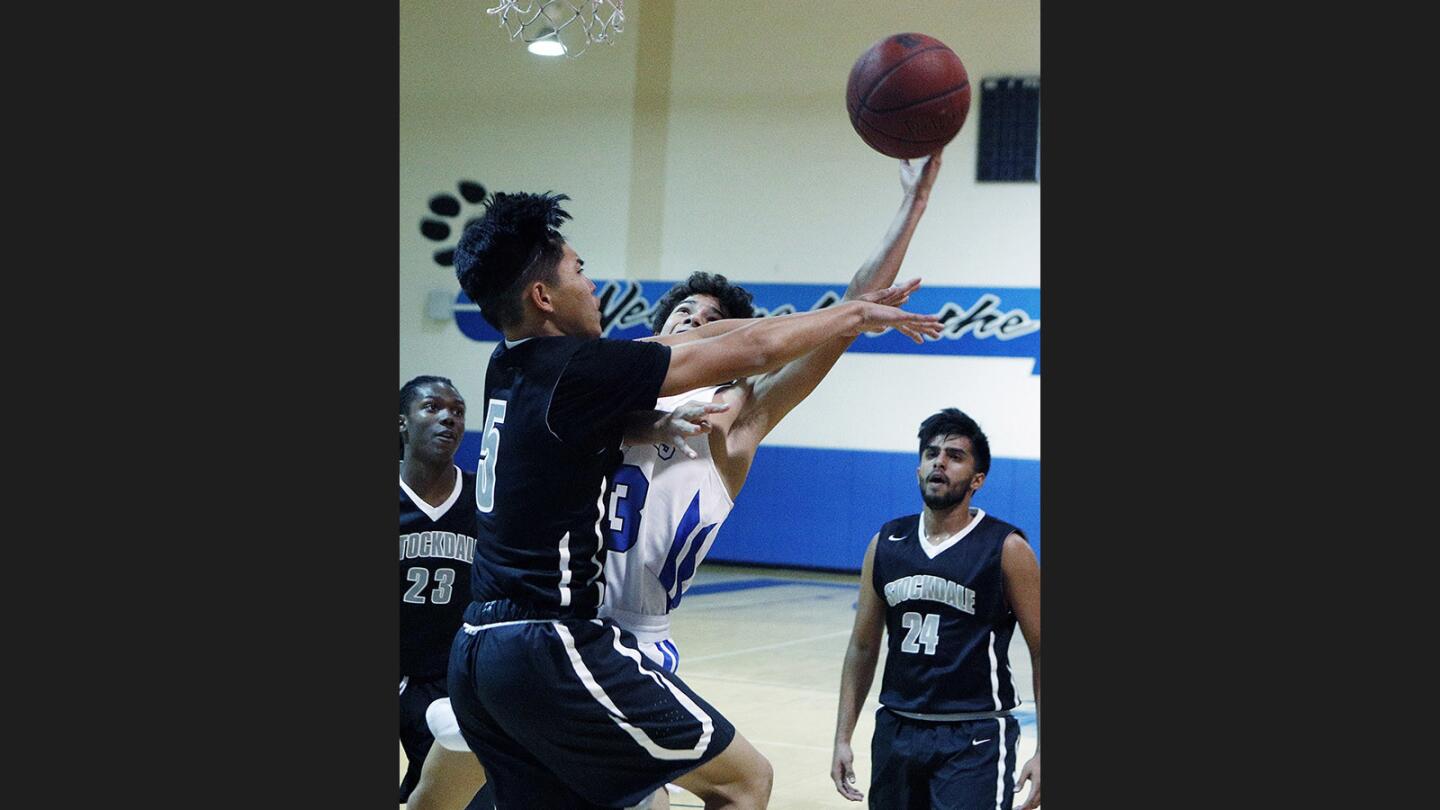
(662, 514)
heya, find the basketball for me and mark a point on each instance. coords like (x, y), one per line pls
(908, 95)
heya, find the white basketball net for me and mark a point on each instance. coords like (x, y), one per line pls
(574, 24)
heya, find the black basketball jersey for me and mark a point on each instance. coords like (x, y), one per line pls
(437, 547)
(946, 618)
(554, 411)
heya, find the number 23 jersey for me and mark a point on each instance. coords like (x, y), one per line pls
(437, 546)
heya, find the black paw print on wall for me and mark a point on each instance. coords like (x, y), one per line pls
(446, 205)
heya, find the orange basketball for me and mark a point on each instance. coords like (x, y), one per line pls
(908, 95)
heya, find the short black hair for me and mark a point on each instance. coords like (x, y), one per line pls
(410, 391)
(514, 243)
(954, 422)
(735, 301)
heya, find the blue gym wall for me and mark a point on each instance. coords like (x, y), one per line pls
(808, 507)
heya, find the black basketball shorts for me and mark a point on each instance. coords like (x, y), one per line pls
(570, 714)
(925, 765)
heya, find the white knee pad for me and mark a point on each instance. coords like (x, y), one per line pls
(440, 717)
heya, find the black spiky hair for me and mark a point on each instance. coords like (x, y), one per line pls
(513, 232)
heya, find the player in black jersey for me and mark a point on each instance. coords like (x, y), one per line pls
(947, 586)
(559, 706)
(437, 545)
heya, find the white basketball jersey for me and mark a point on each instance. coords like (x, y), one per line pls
(664, 512)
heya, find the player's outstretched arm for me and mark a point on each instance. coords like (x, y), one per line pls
(711, 329)
(880, 270)
(1022, 591)
(765, 344)
(856, 677)
(777, 393)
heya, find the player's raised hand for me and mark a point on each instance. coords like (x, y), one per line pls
(691, 420)
(892, 296)
(917, 176)
(1031, 771)
(917, 327)
(842, 771)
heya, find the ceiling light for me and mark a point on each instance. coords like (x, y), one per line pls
(546, 46)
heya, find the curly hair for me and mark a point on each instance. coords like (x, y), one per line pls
(514, 243)
(954, 422)
(735, 301)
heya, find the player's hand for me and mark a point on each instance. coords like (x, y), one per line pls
(916, 177)
(917, 327)
(893, 296)
(842, 772)
(1031, 771)
(690, 420)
